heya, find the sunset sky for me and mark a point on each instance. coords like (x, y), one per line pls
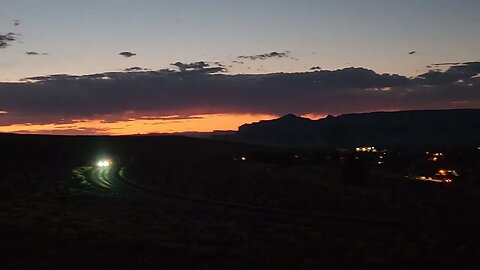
(127, 67)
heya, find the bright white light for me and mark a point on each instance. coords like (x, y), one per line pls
(104, 163)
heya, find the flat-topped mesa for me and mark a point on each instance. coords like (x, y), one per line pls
(439, 127)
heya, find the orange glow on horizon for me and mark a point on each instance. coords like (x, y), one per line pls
(198, 123)
(314, 116)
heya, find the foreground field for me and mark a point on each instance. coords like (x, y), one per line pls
(179, 203)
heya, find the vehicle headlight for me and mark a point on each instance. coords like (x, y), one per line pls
(104, 163)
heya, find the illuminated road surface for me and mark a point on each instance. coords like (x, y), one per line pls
(110, 179)
(101, 178)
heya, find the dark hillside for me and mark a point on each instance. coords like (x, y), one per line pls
(434, 128)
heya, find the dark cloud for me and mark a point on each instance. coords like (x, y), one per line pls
(202, 67)
(265, 56)
(7, 39)
(412, 52)
(315, 68)
(127, 54)
(456, 73)
(123, 96)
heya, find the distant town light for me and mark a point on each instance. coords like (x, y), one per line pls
(433, 179)
(243, 158)
(446, 172)
(366, 149)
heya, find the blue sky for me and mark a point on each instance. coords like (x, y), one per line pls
(86, 36)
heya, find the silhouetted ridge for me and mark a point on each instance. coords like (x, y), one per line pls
(289, 116)
(405, 127)
(287, 130)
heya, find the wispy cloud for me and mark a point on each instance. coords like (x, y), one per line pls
(265, 56)
(200, 66)
(69, 131)
(7, 39)
(135, 69)
(35, 53)
(447, 64)
(127, 54)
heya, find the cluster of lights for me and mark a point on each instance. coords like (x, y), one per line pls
(366, 149)
(434, 156)
(441, 176)
(431, 179)
(104, 163)
(445, 172)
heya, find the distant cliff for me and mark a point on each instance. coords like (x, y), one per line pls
(435, 127)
